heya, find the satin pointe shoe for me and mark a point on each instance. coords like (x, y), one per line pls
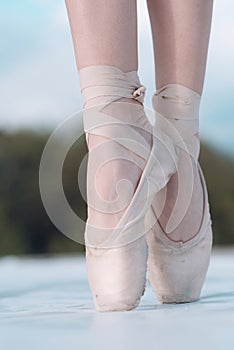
(116, 248)
(177, 269)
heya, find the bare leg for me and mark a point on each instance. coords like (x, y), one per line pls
(104, 32)
(181, 31)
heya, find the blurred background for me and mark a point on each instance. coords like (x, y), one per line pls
(39, 88)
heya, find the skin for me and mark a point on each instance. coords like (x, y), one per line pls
(105, 32)
(181, 32)
(101, 38)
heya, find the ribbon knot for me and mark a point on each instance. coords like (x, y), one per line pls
(138, 94)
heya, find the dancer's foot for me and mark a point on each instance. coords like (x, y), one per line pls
(180, 235)
(116, 255)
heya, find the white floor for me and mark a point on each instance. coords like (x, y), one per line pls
(45, 303)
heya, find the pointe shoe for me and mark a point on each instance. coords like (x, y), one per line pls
(116, 258)
(177, 269)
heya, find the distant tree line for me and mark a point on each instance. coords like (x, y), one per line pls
(24, 224)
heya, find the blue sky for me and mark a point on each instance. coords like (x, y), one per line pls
(39, 85)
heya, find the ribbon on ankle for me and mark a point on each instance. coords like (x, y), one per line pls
(177, 115)
(102, 84)
(180, 106)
